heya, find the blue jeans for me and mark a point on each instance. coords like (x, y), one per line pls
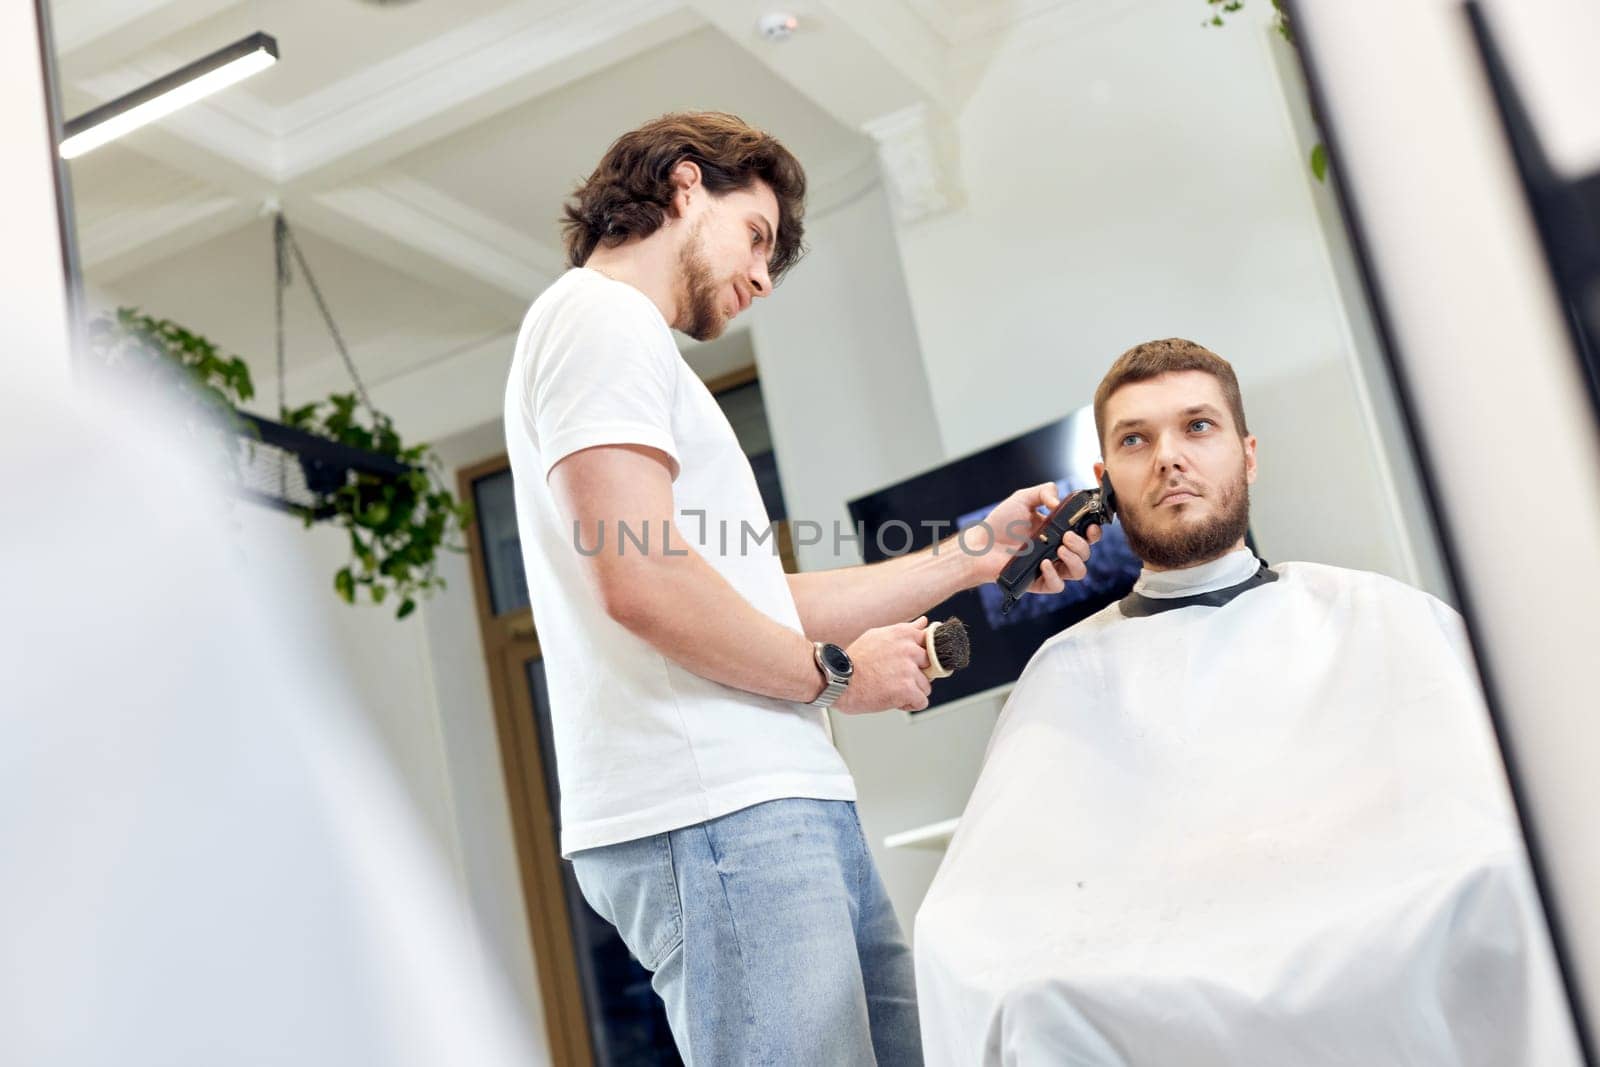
(768, 934)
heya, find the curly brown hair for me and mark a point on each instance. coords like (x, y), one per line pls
(1155, 358)
(630, 192)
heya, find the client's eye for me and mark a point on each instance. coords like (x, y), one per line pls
(1200, 425)
(1129, 440)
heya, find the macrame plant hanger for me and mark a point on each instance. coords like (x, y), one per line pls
(289, 468)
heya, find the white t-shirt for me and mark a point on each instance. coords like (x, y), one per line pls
(642, 745)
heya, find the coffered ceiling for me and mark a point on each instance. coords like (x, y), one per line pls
(422, 149)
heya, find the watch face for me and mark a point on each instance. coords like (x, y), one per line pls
(836, 659)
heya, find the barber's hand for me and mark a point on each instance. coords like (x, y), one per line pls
(888, 674)
(1013, 522)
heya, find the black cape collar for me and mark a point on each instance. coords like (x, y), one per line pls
(1137, 606)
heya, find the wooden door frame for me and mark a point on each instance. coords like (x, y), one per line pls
(509, 641)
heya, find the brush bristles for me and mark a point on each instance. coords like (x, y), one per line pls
(951, 644)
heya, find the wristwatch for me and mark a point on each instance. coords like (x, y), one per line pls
(834, 663)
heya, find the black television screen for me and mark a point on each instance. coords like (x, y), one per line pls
(962, 492)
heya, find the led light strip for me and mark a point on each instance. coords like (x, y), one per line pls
(165, 95)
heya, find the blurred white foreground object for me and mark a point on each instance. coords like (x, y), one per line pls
(207, 860)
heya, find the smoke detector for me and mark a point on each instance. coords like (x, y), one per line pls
(778, 26)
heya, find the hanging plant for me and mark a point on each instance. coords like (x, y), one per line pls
(397, 523)
(144, 348)
(397, 519)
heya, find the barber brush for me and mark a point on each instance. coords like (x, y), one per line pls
(1081, 510)
(949, 648)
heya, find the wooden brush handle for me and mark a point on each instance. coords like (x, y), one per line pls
(934, 669)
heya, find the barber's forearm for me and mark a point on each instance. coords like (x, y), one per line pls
(685, 610)
(840, 605)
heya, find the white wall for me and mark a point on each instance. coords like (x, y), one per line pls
(847, 396)
(1135, 182)
(1134, 178)
(421, 682)
(1419, 559)
(460, 689)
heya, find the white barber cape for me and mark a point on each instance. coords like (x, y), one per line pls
(1274, 832)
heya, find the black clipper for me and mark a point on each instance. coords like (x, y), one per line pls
(1081, 510)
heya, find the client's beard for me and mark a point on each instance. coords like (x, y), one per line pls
(702, 317)
(1193, 544)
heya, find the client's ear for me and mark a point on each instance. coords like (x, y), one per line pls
(1099, 471)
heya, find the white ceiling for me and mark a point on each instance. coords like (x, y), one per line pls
(224, 289)
(422, 150)
(519, 166)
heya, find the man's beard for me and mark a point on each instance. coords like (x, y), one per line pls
(1193, 543)
(702, 316)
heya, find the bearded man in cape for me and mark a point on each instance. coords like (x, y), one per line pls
(1249, 815)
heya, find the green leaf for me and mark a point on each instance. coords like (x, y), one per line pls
(344, 583)
(1319, 161)
(407, 606)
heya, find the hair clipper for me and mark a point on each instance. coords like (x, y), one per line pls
(1081, 510)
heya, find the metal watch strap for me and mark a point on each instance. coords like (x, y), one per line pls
(835, 685)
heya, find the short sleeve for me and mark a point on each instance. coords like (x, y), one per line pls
(599, 377)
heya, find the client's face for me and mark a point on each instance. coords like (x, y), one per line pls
(1180, 470)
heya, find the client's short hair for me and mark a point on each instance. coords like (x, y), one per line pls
(1155, 358)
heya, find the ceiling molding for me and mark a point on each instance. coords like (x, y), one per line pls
(413, 227)
(324, 156)
(466, 224)
(516, 29)
(117, 246)
(919, 151)
(243, 147)
(465, 76)
(397, 106)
